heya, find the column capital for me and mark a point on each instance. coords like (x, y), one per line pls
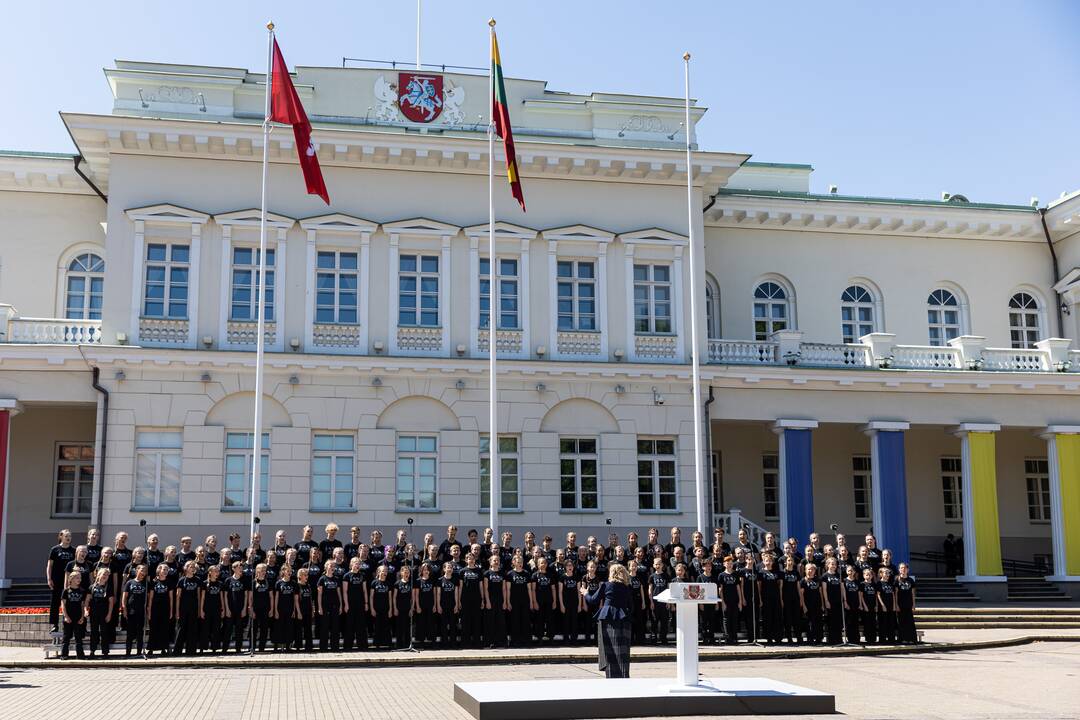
(1052, 430)
(789, 424)
(13, 406)
(970, 427)
(892, 425)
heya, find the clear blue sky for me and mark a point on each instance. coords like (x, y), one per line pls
(901, 99)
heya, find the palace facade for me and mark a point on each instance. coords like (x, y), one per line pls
(903, 366)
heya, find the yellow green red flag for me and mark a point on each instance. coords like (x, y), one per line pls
(501, 116)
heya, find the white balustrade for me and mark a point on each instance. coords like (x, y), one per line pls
(420, 339)
(1074, 361)
(834, 355)
(54, 331)
(163, 331)
(243, 332)
(335, 336)
(742, 352)
(656, 347)
(577, 342)
(1016, 360)
(924, 357)
(507, 342)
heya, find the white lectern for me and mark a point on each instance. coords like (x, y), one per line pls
(686, 597)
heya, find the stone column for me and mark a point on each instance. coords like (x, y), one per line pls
(1063, 459)
(8, 409)
(796, 478)
(889, 486)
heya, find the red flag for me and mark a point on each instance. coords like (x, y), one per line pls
(285, 108)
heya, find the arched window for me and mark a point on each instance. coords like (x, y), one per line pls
(712, 309)
(85, 284)
(1023, 320)
(772, 311)
(943, 316)
(856, 313)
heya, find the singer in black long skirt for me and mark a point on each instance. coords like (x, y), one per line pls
(811, 595)
(542, 592)
(187, 611)
(851, 604)
(160, 612)
(495, 604)
(886, 607)
(834, 602)
(102, 602)
(750, 613)
(472, 603)
(283, 610)
(381, 609)
(868, 606)
(732, 600)
(793, 619)
(236, 608)
(591, 580)
(448, 605)
(769, 591)
(424, 606)
(403, 610)
(570, 602)
(520, 603)
(661, 614)
(329, 599)
(212, 611)
(356, 589)
(260, 608)
(707, 612)
(305, 607)
(133, 606)
(638, 604)
(905, 606)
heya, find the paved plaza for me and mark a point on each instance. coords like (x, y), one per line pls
(1040, 680)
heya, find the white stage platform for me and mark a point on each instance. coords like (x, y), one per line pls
(637, 697)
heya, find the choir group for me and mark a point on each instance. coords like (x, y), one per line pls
(478, 593)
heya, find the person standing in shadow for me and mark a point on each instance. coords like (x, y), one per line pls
(614, 620)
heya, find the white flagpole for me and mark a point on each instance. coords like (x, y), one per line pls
(699, 479)
(418, 2)
(493, 294)
(260, 330)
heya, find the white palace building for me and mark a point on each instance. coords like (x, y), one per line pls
(903, 366)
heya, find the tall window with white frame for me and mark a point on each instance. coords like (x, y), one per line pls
(1024, 328)
(157, 469)
(333, 461)
(245, 278)
(771, 309)
(418, 290)
(770, 484)
(85, 287)
(712, 311)
(657, 485)
(861, 479)
(165, 294)
(74, 476)
(952, 488)
(578, 479)
(652, 299)
(507, 312)
(337, 287)
(509, 478)
(417, 472)
(239, 458)
(576, 288)
(856, 313)
(942, 317)
(1037, 477)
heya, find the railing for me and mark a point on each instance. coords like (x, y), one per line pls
(1022, 360)
(1074, 361)
(834, 355)
(578, 342)
(742, 352)
(245, 332)
(509, 342)
(923, 357)
(733, 520)
(656, 347)
(335, 336)
(53, 331)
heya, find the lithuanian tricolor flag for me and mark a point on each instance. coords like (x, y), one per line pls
(501, 114)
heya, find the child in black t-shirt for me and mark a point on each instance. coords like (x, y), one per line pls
(661, 614)
(73, 601)
(868, 602)
(905, 606)
(886, 606)
(100, 612)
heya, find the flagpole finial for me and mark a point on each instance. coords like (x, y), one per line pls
(270, 26)
(491, 22)
(686, 56)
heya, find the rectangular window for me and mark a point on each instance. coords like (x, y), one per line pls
(507, 310)
(1037, 476)
(576, 288)
(157, 469)
(239, 459)
(577, 474)
(952, 487)
(860, 476)
(770, 483)
(657, 486)
(74, 486)
(245, 278)
(509, 480)
(418, 290)
(417, 472)
(165, 294)
(652, 299)
(337, 287)
(333, 459)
